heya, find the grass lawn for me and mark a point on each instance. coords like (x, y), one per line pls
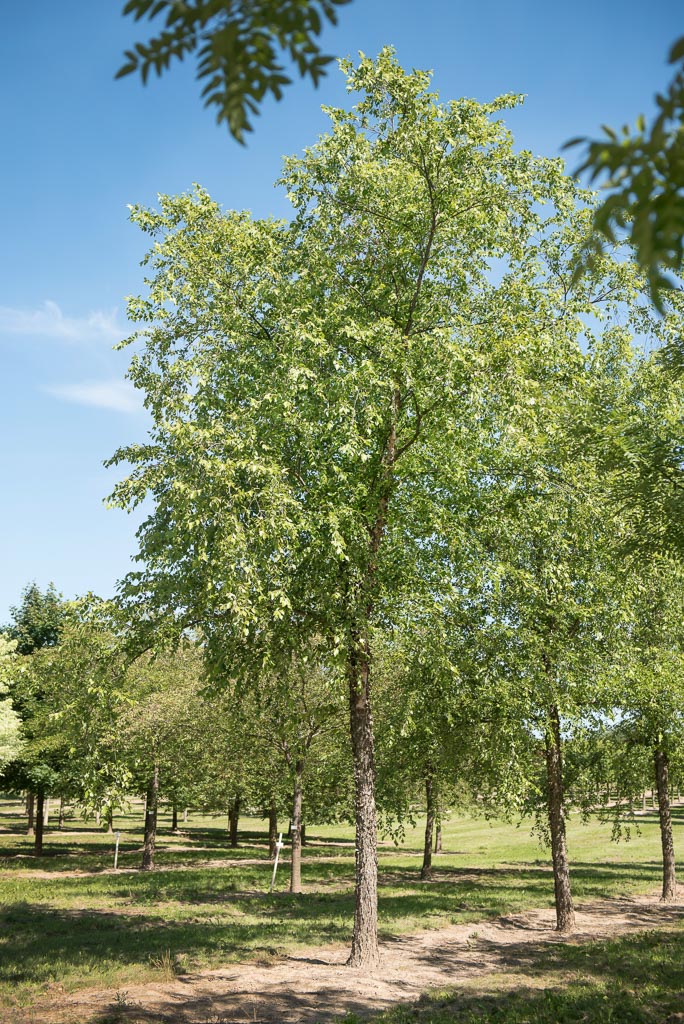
(67, 921)
(638, 979)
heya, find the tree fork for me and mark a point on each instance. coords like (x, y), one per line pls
(565, 911)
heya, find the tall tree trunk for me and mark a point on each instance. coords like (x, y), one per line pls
(565, 911)
(426, 869)
(666, 839)
(151, 803)
(233, 819)
(438, 836)
(272, 830)
(60, 820)
(30, 813)
(40, 821)
(46, 811)
(174, 818)
(296, 861)
(364, 951)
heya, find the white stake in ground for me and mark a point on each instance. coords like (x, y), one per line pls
(116, 851)
(279, 846)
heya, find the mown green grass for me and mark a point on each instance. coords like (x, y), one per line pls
(67, 919)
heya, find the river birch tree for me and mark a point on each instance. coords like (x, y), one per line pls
(297, 373)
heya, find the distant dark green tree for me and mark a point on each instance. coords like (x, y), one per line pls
(37, 623)
(38, 620)
(238, 45)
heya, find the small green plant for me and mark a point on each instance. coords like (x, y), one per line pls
(166, 964)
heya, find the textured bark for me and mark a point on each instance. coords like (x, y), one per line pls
(272, 830)
(565, 912)
(666, 838)
(296, 861)
(40, 821)
(233, 821)
(30, 813)
(364, 951)
(174, 818)
(151, 803)
(426, 869)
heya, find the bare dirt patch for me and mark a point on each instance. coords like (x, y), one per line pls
(314, 985)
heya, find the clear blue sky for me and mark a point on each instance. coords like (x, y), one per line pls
(78, 147)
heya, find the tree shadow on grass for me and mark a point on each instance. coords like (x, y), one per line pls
(208, 917)
(637, 979)
(46, 945)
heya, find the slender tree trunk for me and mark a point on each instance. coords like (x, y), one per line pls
(666, 839)
(364, 951)
(151, 821)
(30, 813)
(426, 869)
(643, 801)
(272, 830)
(174, 818)
(565, 912)
(233, 819)
(46, 811)
(438, 836)
(185, 815)
(97, 817)
(60, 820)
(109, 818)
(296, 861)
(40, 822)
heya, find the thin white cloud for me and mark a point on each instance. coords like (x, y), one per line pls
(49, 321)
(119, 395)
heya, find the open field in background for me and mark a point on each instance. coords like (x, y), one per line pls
(68, 921)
